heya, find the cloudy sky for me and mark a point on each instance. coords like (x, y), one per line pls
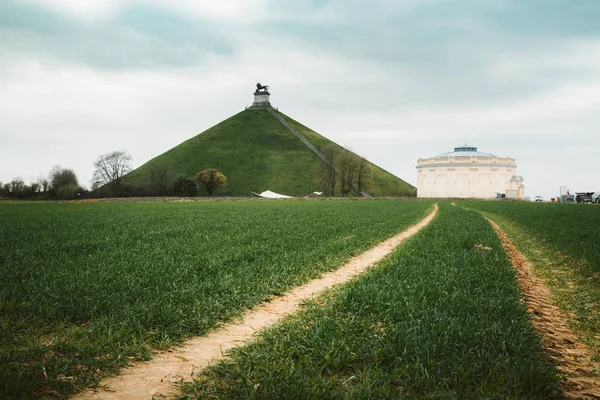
(396, 80)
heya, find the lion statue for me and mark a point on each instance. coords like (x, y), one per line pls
(262, 88)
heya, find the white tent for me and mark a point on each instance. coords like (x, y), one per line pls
(267, 194)
(272, 195)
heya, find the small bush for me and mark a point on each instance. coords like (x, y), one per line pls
(185, 187)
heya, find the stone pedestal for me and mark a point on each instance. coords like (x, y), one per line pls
(261, 99)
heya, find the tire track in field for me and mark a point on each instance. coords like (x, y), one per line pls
(155, 378)
(580, 381)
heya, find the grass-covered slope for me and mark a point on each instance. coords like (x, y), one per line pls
(256, 152)
(383, 182)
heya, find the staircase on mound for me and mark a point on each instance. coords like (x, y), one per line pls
(310, 145)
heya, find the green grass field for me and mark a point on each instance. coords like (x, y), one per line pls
(563, 242)
(256, 152)
(437, 319)
(85, 288)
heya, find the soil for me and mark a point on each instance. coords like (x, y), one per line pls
(573, 358)
(156, 378)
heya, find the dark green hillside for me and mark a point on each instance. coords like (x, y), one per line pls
(257, 152)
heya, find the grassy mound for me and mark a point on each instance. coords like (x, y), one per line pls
(256, 152)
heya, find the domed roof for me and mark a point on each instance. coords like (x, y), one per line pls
(466, 152)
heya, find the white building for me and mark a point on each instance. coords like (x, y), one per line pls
(468, 173)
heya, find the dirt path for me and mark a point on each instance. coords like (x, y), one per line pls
(155, 378)
(573, 357)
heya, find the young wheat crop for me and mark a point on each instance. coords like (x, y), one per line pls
(439, 318)
(86, 288)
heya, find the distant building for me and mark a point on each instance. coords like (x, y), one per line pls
(468, 173)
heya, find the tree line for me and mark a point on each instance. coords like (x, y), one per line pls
(61, 183)
(162, 183)
(340, 170)
(108, 180)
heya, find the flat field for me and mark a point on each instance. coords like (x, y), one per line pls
(563, 243)
(441, 317)
(86, 288)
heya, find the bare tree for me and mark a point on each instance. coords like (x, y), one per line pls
(328, 173)
(109, 170)
(347, 166)
(16, 186)
(363, 174)
(160, 180)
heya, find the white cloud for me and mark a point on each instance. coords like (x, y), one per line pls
(94, 10)
(252, 11)
(88, 10)
(538, 105)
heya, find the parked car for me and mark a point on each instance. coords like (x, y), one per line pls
(538, 198)
(596, 198)
(584, 197)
